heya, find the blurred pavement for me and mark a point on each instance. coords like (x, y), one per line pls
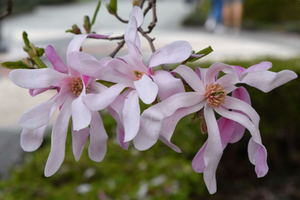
(46, 25)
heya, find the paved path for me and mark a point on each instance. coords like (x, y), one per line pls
(45, 25)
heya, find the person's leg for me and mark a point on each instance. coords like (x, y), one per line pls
(237, 8)
(226, 12)
(218, 11)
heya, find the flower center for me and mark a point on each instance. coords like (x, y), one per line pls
(138, 75)
(77, 86)
(215, 95)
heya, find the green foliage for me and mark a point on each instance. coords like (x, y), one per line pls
(204, 52)
(121, 173)
(14, 65)
(95, 13)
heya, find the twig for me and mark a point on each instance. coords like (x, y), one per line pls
(141, 3)
(150, 40)
(8, 10)
(120, 19)
(120, 45)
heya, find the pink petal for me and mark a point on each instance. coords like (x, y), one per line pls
(167, 84)
(242, 94)
(239, 105)
(146, 88)
(228, 82)
(58, 140)
(136, 57)
(174, 52)
(226, 127)
(151, 119)
(34, 92)
(31, 140)
(191, 78)
(256, 151)
(39, 115)
(37, 78)
(78, 141)
(98, 138)
(135, 20)
(169, 124)
(214, 70)
(198, 163)
(263, 66)
(131, 115)
(55, 60)
(81, 115)
(258, 156)
(213, 151)
(102, 100)
(121, 138)
(267, 81)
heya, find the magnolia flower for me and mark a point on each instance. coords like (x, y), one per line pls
(71, 87)
(131, 72)
(211, 95)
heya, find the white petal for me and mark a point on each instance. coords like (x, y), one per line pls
(131, 115)
(78, 140)
(37, 78)
(31, 140)
(58, 139)
(146, 89)
(98, 138)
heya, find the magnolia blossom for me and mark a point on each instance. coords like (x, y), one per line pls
(211, 95)
(131, 72)
(71, 87)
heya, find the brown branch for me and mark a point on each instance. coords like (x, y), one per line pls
(150, 40)
(8, 10)
(108, 38)
(120, 45)
(151, 5)
(120, 19)
(141, 4)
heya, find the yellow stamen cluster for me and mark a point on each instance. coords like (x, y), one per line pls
(138, 75)
(77, 86)
(215, 95)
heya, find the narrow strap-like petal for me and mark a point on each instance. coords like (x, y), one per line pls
(39, 115)
(267, 81)
(239, 105)
(58, 139)
(151, 119)
(255, 145)
(167, 84)
(78, 141)
(191, 78)
(37, 78)
(263, 66)
(55, 60)
(98, 138)
(174, 52)
(146, 88)
(258, 157)
(131, 115)
(214, 69)
(213, 151)
(100, 101)
(31, 140)
(169, 124)
(81, 115)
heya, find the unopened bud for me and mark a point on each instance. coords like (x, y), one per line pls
(135, 3)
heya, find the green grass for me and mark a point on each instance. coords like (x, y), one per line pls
(122, 173)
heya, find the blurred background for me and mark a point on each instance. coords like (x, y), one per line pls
(269, 31)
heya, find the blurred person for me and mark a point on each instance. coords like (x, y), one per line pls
(214, 19)
(232, 15)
